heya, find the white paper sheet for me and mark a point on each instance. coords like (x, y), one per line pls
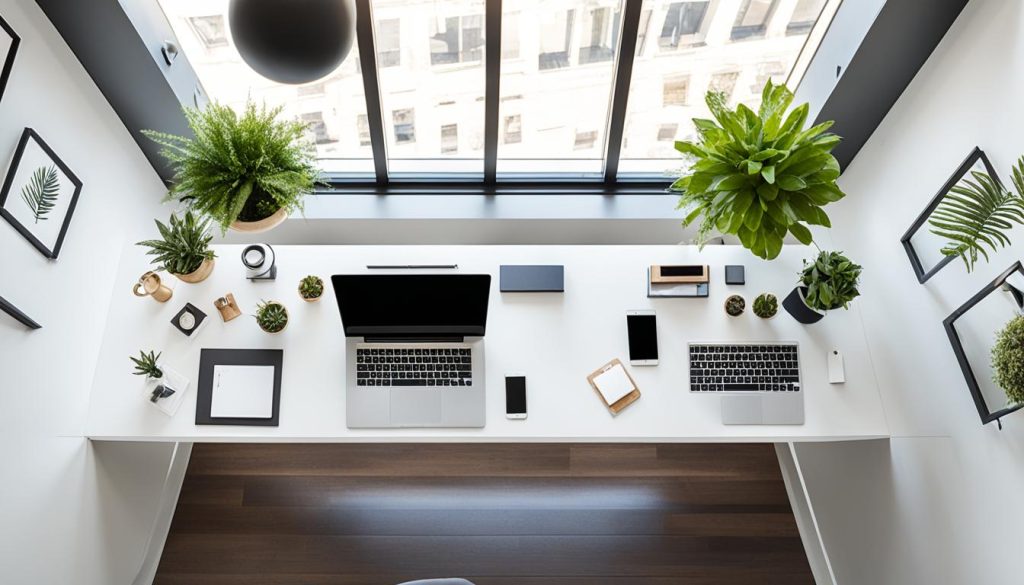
(614, 384)
(242, 392)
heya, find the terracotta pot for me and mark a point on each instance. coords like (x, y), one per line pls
(288, 319)
(314, 299)
(263, 225)
(199, 274)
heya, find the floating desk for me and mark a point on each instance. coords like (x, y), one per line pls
(556, 339)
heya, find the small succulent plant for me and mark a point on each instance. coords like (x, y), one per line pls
(145, 365)
(311, 287)
(734, 305)
(271, 316)
(766, 305)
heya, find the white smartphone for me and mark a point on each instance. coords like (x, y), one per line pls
(642, 327)
(515, 396)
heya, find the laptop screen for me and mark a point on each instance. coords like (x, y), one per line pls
(412, 305)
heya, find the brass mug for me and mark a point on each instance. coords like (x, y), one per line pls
(150, 285)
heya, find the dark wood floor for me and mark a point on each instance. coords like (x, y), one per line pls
(299, 514)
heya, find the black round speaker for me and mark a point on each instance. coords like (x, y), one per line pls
(293, 41)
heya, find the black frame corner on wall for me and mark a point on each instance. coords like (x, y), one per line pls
(949, 323)
(965, 167)
(19, 315)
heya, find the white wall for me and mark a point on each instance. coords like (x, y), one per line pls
(70, 512)
(941, 502)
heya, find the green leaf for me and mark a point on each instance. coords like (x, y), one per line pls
(976, 214)
(791, 183)
(41, 191)
(801, 233)
(768, 173)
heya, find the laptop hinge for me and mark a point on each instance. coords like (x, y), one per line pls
(441, 339)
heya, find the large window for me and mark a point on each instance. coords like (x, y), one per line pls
(555, 107)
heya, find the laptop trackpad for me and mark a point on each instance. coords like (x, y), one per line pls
(742, 409)
(415, 406)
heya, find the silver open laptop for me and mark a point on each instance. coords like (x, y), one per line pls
(414, 350)
(759, 382)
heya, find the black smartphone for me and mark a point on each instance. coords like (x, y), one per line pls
(515, 396)
(642, 327)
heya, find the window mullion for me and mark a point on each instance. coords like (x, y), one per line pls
(620, 88)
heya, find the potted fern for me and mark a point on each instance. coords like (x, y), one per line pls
(758, 176)
(977, 213)
(183, 248)
(311, 288)
(247, 172)
(827, 283)
(271, 316)
(1008, 360)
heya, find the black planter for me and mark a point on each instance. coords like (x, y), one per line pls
(795, 306)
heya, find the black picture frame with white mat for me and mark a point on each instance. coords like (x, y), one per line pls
(925, 260)
(9, 42)
(964, 351)
(39, 194)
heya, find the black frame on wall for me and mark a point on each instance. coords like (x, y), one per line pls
(8, 65)
(5, 193)
(922, 219)
(19, 315)
(949, 323)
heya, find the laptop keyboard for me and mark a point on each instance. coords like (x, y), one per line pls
(432, 366)
(723, 367)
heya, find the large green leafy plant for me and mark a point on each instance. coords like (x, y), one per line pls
(831, 281)
(240, 167)
(976, 213)
(759, 175)
(1008, 359)
(184, 244)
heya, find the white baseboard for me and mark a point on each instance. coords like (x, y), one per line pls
(165, 513)
(803, 510)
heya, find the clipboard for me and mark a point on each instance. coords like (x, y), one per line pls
(619, 405)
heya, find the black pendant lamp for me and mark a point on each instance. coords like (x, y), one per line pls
(293, 41)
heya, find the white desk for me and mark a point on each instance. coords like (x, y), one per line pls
(556, 339)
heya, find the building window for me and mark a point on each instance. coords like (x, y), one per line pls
(363, 129)
(315, 120)
(682, 22)
(311, 89)
(449, 138)
(774, 70)
(513, 129)
(457, 40)
(641, 35)
(389, 47)
(585, 140)
(405, 125)
(804, 16)
(555, 36)
(210, 30)
(752, 19)
(667, 132)
(724, 83)
(510, 35)
(600, 36)
(675, 91)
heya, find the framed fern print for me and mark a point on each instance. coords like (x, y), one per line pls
(39, 194)
(926, 242)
